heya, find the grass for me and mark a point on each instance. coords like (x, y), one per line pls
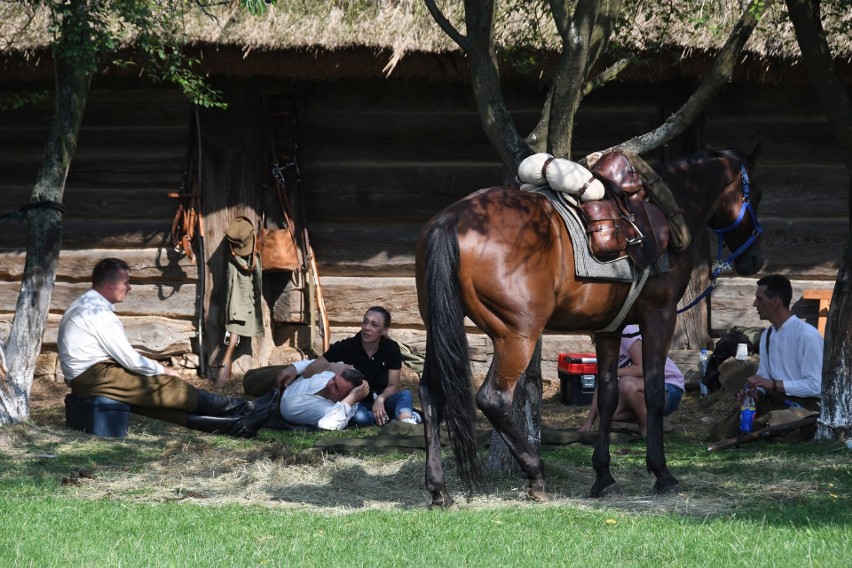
(165, 496)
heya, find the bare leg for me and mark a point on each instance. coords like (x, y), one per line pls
(225, 372)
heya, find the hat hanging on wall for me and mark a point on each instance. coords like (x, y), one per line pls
(240, 234)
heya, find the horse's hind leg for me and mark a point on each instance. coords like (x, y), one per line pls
(435, 482)
(607, 354)
(495, 401)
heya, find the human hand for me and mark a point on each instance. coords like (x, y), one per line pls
(285, 376)
(171, 372)
(379, 411)
(360, 392)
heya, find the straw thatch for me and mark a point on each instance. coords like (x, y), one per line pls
(396, 28)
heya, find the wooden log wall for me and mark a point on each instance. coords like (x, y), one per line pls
(377, 160)
(131, 154)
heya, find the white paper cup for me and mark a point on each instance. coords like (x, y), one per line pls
(742, 351)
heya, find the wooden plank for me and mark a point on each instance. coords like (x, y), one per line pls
(154, 337)
(76, 265)
(166, 299)
(358, 249)
(348, 298)
(803, 190)
(733, 298)
(121, 233)
(390, 191)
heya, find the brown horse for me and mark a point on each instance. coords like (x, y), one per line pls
(504, 258)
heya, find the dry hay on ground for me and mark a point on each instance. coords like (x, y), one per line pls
(181, 465)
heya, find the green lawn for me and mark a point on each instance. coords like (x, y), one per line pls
(169, 497)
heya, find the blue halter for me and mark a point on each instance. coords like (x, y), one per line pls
(723, 265)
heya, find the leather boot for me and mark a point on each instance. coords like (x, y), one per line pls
(212, 404)
(245, 426)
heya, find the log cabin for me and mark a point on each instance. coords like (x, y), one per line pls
(385, 133)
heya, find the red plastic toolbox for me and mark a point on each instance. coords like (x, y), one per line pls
(577, 376)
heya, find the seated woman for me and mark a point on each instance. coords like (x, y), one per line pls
(379, 359)
(631, 385)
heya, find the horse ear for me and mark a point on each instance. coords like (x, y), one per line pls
(755, 154)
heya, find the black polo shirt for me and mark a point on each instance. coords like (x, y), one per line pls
(350, 351)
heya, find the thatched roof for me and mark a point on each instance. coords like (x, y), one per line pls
(396, 29)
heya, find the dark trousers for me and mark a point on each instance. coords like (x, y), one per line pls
(159, 396)
(729, 427)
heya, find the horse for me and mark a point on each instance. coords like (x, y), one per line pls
(504, 258)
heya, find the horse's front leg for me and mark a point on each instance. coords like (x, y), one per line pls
(607, 355)
(435, 482)
(495, 400)
(654, 354)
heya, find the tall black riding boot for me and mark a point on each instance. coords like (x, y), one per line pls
(245, 426)
(212, 404)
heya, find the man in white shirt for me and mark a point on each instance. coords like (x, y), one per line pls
(98, 360)
(327, 400)
(790, 369)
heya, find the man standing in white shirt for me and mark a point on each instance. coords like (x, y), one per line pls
(98, 360)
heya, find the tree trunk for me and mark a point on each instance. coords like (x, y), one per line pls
(526, 414)
(43, 243)
(836, 416)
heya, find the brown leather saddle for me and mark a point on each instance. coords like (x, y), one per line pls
(624, 222)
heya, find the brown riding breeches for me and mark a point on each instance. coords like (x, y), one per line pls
(158, 396)
(258, 382)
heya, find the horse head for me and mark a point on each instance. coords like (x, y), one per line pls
(735, 219)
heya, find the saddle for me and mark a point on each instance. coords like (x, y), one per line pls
(624, 222)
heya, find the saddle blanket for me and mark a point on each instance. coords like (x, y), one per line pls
(586, 265)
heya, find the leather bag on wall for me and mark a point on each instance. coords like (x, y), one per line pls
(278, 250)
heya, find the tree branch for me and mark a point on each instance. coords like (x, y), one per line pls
(607, 74)
(719, 75)
(446, 26)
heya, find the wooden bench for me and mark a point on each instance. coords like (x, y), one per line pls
(824, 297)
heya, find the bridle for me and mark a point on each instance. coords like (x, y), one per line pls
(724, 265)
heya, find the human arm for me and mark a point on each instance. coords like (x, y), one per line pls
(379, 404)
(321, 364)
(291, 372)
(634, 351)
(338, 415)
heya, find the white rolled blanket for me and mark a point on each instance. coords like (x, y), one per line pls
(561, 175)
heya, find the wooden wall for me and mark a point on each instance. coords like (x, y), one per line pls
(131, 154)
(377, 160)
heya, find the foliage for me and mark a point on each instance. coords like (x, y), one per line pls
(91, 34)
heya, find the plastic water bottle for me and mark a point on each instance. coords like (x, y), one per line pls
(703, 357)
(747, 410)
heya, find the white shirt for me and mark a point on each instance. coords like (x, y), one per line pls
(795, 357)
(300, 403)
(90, 332)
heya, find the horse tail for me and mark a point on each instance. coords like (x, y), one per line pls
(446, 371)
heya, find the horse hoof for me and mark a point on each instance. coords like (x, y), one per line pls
(666, 486)
(600, 489)
(442, 501)
(539, 495)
